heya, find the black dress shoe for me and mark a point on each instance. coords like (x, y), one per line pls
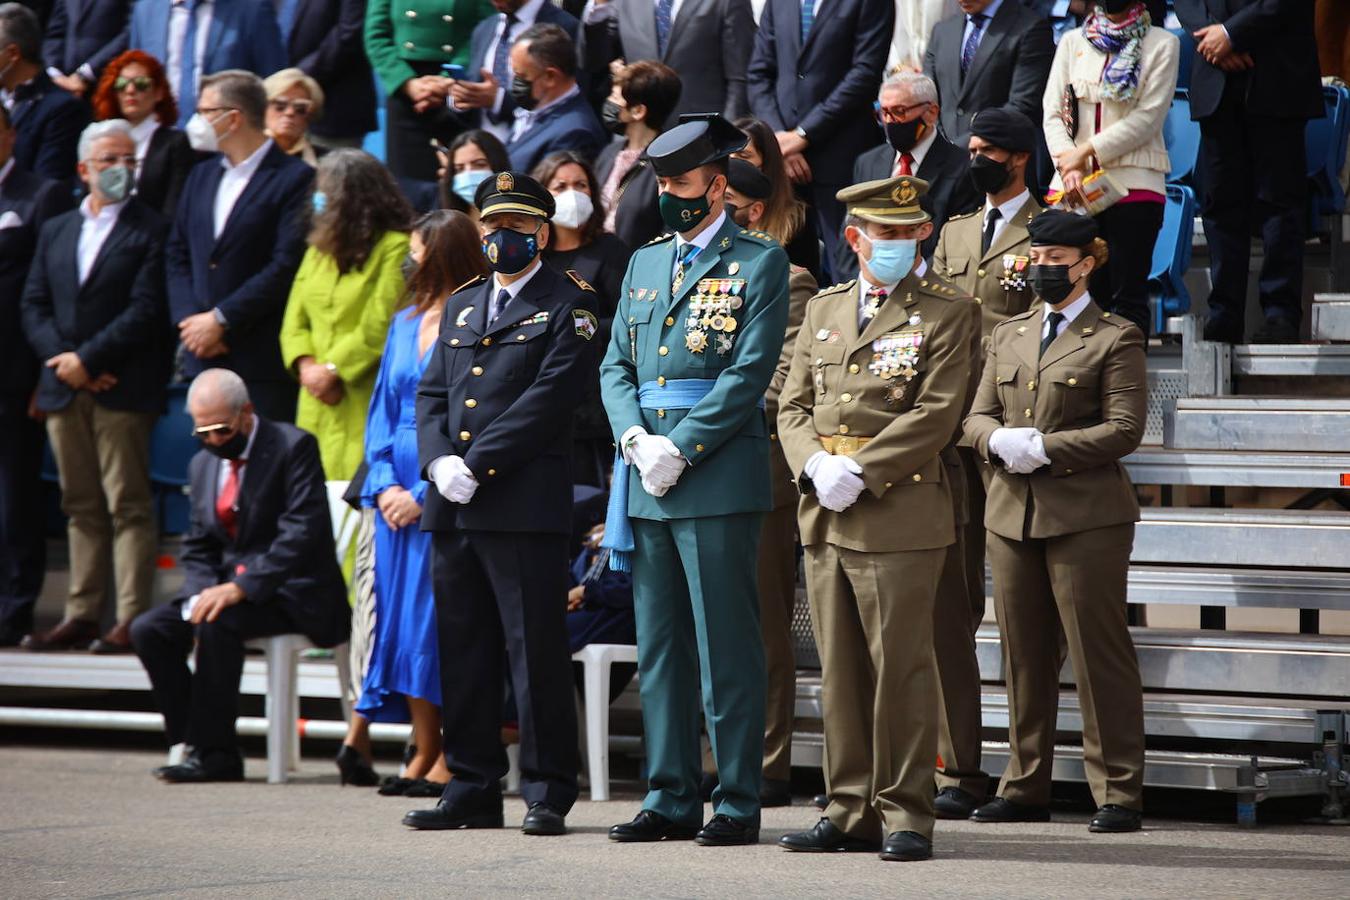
(396, 786)
(1000, 810)
(724, 831)
(649, 826)
(773, 793)
(353, 768)
(820, 801)
(1276, 330)
(954, 803)
(906, 846)
(825, 838)
(543, 819)
(1223, 331)
(446, 817)
(1113, 819)
(199, 768)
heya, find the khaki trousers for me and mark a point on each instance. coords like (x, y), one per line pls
(873, 619)
(103, 460)
(777, 597)
(1075, 582)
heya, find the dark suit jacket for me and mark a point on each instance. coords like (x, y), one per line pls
(326, 42)
(639, 217)
(480, 42)
(1010, 67)
(246, 273)
(49, 121)
(115, 322)
(1278, 34)
(33, 201)
(709, 46)
(571, 125)
(86, 31)
(517, 437)
(168, 160)
(283, 550)
(826, 87)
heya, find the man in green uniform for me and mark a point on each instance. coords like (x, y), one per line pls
(698, 332)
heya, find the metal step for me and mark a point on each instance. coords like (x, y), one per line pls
(1331, 317)
(1159, 465)
(1269, 538)
(1235, 587)
(1327, 360)
(1281, 424)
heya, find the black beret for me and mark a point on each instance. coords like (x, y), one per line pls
(699, 139)
(748, 181)
(1058, 228)
(515, 192)
(1007, 128)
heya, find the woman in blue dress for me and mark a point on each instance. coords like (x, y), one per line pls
(403, 680)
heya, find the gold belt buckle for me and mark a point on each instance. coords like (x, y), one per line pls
(845, 445)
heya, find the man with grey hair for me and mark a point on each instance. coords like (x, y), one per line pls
(47, 118)
(258, 560)
(237, 241)
(93, 310)
(909, 115)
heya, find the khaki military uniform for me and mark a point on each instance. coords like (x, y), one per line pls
(890, 397)
(998, 281)
(1060, 541)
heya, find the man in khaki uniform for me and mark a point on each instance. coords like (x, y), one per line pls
(984, 254)
(878, 380)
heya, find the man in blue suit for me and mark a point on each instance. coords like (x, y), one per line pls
(226, 34)
(236, 243)
(48, 120)
(82, 37)
(553, 115)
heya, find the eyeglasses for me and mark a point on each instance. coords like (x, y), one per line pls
(141, 83)
(112, 159)
(207, 110)
(895, 113)
(300, 107)
(220, 429)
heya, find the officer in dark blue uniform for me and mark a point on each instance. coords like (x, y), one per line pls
(494, 413)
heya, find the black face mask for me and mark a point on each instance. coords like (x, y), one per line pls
(231, 449)
(609, 116)
(522, 93)
(1052, 283)
(989, 175)
(735, 212)
(904, 136)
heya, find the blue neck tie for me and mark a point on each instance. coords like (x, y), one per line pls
(187, 63)
(686, 256)
(503, 298)
(499, 66)
(973, 41)
(808, 18)
(663, 19)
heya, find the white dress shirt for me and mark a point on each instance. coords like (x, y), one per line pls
(525, 118)
(700, 240)
(223, 467)
(514, 288)
(233, 182)
(94, 231)
(1069, 313)
(1006, 211)
(178, 25)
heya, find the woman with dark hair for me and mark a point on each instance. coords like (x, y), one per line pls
(579, 243)
(474, 155)
(785, 218)
(338, 312)
(643, 97)
(134, 87)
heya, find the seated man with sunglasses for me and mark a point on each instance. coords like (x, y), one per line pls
(258, 560)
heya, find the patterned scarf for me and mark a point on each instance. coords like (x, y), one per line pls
(1124, 44)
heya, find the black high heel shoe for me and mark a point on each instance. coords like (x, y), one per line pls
(353, 769)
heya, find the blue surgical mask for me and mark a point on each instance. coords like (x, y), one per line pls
(465, 184)
(319, 202)
(892, 260)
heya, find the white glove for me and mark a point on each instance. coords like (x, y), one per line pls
(835, 479)
(658, 460)
(1021, 449)
(453, 479)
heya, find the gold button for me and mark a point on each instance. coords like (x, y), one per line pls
(1106, 315)
(773, 437)
(660, 381)
(888, 484)
(979, 272)
(477, 370)
(663, 350)
(1027, 412)
(660, 413)
(454, 342)
(487, 342)
(464, 435)
(1031, 385)
(1073, 381)
(492, 471)
(1068, 471)
(846, 397)
(520, 337)
(820, 360)
(698, 448)
(918, 477)
(843, 429)
(447, 48)
(923, 284)
(978, 301)
(412, 13)
(854, 369)
(447, 20)
(632, 319)
(409, 45)
(471, 403)
(670, 320)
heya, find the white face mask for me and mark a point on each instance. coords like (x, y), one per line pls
(201, 134)
(574, 209)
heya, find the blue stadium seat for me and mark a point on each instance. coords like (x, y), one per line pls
(1326, 148)
(171, 449)
(1182, 137)
(1172, 256)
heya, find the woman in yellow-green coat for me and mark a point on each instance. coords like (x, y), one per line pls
(342, 299)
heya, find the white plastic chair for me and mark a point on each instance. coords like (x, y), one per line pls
(596, 661)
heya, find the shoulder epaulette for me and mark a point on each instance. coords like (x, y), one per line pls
(579, 281)
(477, 279)
(1021, 317)
(935, 284)
(1115, 319)
(963, 216)
(842, 287)
(758, 237)
(659, 238)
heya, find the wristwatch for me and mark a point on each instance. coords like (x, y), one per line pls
(800, 132)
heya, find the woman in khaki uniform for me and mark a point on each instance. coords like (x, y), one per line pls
(1062, 399)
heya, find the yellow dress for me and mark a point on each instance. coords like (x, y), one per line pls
(342, 319)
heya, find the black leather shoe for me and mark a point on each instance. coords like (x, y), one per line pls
(396, 786)
(906, 846)
(1113, 819)
(1223, 331)
(773, 793)
(199, 768)
(825, 838)
(1276, 331)
(649, 826)
(445, 817)
(1000, 810)
(820, 801)
(543, 819)
(724, 831)
(954, 803)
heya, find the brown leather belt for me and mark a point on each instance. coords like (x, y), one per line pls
(842, 444)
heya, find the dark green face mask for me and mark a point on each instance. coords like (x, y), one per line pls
(683, 214)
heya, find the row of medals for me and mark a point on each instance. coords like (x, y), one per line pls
(712, 308)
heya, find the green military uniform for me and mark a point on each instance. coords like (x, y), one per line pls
(714, 327)
(399, 32)
(890, 395)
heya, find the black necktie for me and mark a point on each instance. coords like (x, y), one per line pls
(989, 225)
(1054, 319)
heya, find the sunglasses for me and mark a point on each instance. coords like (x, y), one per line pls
(299, 107)
(141, 83)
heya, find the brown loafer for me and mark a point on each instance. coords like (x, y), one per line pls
(117, 640)
(72, 634)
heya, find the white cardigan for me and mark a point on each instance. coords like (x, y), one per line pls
(1129, 145)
